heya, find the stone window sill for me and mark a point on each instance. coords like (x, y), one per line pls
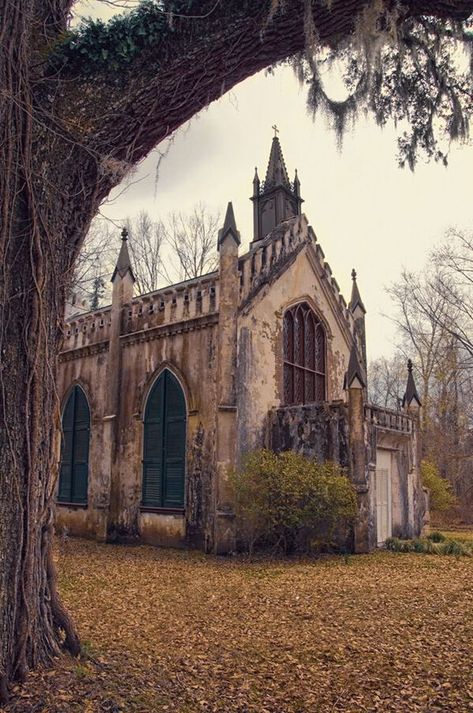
(162, 511)
(76, 506)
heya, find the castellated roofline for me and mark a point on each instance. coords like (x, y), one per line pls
(197, 298)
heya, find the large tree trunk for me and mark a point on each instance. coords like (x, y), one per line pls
(37, 198)
(33, 624)
(31, 616)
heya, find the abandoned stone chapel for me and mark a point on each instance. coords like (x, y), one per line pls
(162, 394)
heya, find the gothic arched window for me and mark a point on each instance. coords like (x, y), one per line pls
(164, 456)
(304, 356)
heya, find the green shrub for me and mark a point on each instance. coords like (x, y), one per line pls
(436, 537)
(441, 496)
(452, 547)
(286, 502)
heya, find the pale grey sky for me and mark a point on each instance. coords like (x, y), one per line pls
(366, 212)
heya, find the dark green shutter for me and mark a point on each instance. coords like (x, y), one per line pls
(80, 467)
(164, 444)
(73, 474)
(174, 444)
(153, 453)
(65, 473)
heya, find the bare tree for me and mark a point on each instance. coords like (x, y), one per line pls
(454, 262)
(419, 314)
(193, 241)
(146, 244)
(387, 381)
(182, 246)
(79, 110)
(94, 264)
(429, 321)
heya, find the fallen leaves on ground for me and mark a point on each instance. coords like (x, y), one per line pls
(167, 630)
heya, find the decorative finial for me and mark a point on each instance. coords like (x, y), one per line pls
(276, 130)
(124, 234)
(229, 227)
(409, 365)
(353, 274)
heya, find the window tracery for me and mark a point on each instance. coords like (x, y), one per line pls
(304, 356)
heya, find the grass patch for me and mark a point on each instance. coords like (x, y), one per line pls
(459, 535)
(434, 544)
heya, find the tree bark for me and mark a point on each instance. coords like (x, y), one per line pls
(42, 220)
(64, 143)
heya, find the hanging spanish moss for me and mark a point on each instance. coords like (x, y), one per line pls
(398, 68)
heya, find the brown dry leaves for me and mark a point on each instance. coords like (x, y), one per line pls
(179, 631)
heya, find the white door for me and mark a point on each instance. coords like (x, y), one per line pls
(383, 495)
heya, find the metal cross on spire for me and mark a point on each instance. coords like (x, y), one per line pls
(276, 130)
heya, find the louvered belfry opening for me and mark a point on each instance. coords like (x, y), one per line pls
(74, 467)
(304, 356)
(164, 450)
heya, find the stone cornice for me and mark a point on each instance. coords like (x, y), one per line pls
(83, 351)
(170, 329)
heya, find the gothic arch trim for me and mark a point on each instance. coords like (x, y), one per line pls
(310, 301)
(84, 387)
(148, 384)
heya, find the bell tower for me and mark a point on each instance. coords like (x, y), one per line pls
(276, 198)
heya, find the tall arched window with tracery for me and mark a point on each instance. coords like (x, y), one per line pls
(304, 356)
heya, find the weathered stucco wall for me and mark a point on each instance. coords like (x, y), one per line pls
(115, 452)
(89, 370)
(260, 341)
(317, 431)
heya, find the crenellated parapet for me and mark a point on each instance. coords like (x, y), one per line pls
(270, 256)
(264, 262)
(87, 329)
(176, 303)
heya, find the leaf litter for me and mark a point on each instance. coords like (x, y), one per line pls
(178, 631)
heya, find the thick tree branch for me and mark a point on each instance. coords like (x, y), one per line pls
(122, 119)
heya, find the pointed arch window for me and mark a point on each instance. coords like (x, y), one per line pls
(164, 452)
(74, 466)
(304, 356)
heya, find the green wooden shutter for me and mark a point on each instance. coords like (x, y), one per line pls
(65, 471)
(175, 444)
(153, 446)
(80, 468)
(164, 444)
(73, 474)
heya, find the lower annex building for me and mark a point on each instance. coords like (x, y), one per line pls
(163, 393)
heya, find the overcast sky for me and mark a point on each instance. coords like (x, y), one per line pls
(366, 212)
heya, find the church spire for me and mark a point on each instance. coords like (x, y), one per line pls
(276, 199)
(355, 377)
(276, 173)
(123, 263)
